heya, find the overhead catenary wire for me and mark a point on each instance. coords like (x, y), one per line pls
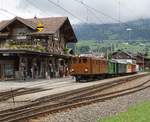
(95, 16)
(101, 13)
(78, 18)
(98, 11)
(36, 6)
(61, 7)
(123, 24)
(4, 14)
(119, 13)
(6, 11)
(131, 11)
(93, 13)
(13, 14)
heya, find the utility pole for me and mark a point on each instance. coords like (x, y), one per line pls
(129, 30)
(119, 13)
(143, 63)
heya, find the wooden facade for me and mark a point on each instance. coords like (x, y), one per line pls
(143, 62)
(34, 48)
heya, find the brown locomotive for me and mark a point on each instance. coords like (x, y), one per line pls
(88, 68)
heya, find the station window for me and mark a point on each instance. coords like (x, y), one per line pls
(8, 70)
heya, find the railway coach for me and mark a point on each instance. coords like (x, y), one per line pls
(112, 67)
(116, 68)
(129, 68)
(121, 68)
(133, 68)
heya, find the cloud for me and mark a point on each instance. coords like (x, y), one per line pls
(128, 9)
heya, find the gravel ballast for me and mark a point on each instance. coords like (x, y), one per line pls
(93, 112)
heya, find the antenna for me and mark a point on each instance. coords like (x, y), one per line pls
(87, 17)
(119, 13)
(1, 5)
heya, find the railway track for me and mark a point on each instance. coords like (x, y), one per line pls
(88, 90)
(5, 95)
(71, 99)
(52, 83)
(17, 92)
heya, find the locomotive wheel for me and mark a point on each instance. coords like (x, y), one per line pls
(78, 78)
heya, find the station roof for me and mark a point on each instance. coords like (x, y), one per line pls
(50, 25)
(30, 52)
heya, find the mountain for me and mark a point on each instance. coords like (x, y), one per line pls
(132, 30)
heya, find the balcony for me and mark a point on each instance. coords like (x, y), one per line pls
(23, 45)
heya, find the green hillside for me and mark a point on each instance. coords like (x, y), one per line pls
(140, 30)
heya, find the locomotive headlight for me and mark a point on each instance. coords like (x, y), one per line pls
(86, 70)
(72, 70)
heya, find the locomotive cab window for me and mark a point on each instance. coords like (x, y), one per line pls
(97, 62)
(80, 60)
(84, 60)
(74, 60)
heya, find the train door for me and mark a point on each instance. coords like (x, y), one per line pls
(0, 72)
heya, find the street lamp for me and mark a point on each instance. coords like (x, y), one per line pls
(129, 29)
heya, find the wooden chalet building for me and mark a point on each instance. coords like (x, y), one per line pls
(143, 61)
(123, 56)
(140, 59)
(34, 48)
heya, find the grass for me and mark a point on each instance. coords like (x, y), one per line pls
(137, 113)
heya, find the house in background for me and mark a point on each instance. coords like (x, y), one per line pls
(34, 48)
(140, 59)
(143, 61)
(123, 56)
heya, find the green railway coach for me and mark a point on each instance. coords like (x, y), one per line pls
(112, 67)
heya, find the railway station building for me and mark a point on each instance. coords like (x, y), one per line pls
(35, 48)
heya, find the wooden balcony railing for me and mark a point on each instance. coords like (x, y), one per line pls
(35, 47)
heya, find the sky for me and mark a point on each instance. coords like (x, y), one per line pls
(109, 11)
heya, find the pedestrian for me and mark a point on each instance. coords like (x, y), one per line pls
(22, 71)
(50, 68)
(32, 72)
(61, 71)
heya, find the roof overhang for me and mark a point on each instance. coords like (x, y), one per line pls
(29, 52)
(23, 21)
